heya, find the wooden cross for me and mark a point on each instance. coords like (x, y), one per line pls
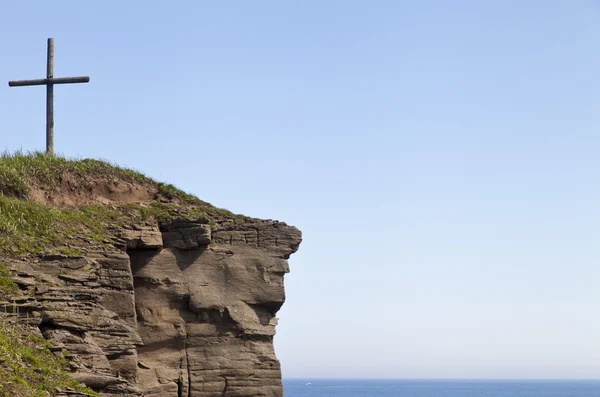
(49, 82)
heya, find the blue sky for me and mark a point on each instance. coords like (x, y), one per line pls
(441, 159)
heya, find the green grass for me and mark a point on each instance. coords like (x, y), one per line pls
(27, 227)
(20, 170)
(12, 183)
(32, 228)
(7, 286)
(171, 192)
(29, 368)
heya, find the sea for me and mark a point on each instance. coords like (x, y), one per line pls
(439, 388)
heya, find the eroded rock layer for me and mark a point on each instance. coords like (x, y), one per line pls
(185, 309)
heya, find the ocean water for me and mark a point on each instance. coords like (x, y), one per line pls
(438, 388)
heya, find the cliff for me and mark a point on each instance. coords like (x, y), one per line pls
(144, 289)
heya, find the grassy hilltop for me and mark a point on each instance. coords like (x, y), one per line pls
(58, 205)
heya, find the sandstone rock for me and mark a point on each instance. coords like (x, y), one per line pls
(189, 310)
(186, 234)
(143, 237)
(24, 281)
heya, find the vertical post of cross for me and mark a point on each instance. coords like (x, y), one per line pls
(50, 100)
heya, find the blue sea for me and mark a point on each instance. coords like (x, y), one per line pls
(438, 388)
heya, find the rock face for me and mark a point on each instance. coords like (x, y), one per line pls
(187, 309)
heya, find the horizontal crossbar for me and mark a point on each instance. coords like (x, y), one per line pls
(53, 80)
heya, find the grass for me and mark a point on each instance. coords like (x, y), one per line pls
(28, 227)
(12, 183)
(7, 286)
(171, 192)
(20, 170)
(28, 368)
(32, 228)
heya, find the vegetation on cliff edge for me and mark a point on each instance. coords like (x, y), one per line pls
(29, 225)
(28, 368)
(21, 171)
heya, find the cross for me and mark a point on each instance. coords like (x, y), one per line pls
(49, 82)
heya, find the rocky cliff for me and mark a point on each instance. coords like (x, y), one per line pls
(144, 289)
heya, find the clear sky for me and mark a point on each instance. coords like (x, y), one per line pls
(440, 157)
